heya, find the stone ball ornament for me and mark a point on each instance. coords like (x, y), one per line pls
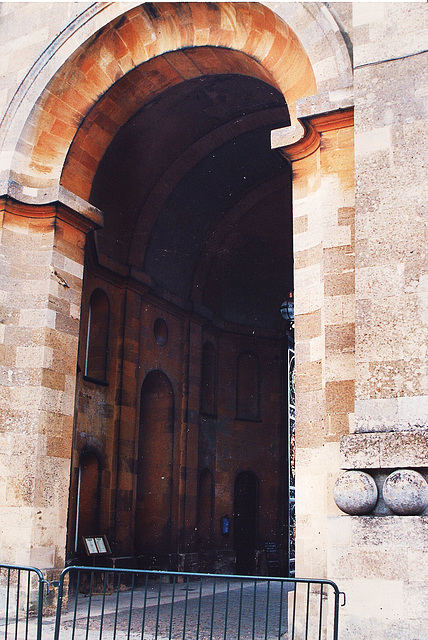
(405, 492)
(355, 493)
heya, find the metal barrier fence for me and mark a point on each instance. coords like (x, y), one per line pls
(123, 604)
(21, 602)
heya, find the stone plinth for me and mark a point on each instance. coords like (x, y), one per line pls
(381, 564)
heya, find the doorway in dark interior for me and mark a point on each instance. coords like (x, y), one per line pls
(246, 509)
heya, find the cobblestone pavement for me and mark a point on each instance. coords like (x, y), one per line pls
(197, 610)
(188, 612)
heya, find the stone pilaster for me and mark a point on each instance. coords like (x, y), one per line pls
(323, 211)
(40, 290)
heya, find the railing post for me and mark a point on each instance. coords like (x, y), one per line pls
(59, 605)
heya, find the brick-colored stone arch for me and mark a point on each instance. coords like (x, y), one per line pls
(139, 35)
(133, 91)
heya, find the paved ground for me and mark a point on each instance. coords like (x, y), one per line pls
(200, 611)
(204, 608)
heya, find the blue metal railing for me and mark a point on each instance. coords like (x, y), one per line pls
(125, 604)
(21, 602)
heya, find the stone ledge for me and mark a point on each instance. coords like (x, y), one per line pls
(324, 103)
(384, 450)
(42, 200)
(389, 532)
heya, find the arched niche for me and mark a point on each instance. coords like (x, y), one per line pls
(154, 465)
(97, 336)
(205, 511)
(88, 498)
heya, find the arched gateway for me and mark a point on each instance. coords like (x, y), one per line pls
(195, 250)
(170, 173)
(148, 160)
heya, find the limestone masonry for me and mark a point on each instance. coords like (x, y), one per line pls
(175, 178)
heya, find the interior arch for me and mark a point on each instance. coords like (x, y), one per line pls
(198, 231)
(183, 186)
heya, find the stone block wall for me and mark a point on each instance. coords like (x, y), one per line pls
(324, 254)
(41, 280)
(379, 557)
(381, 565)
(24, 34)
(392, 282)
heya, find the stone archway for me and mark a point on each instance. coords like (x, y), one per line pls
(137, 36)
(44, 141)
(43, 234)
(197, 213)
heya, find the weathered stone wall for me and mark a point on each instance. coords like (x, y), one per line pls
(380, 558)
(392, 283)
(323, 210)
(41, 280)
(25, 30)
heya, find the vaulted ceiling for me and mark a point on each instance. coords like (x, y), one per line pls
(194, 196)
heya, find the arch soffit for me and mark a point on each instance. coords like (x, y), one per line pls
(137, 36)
(137, 88)
(95, 17)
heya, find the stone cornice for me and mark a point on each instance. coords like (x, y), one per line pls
(83, 220)
(306, 146)
(332, 121)
(314, 127)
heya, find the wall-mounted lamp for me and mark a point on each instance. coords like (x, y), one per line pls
(287, 309)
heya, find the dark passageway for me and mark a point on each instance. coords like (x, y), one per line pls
(197, 240)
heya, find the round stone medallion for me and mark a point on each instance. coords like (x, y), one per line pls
(355, 493)
(406, 492)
